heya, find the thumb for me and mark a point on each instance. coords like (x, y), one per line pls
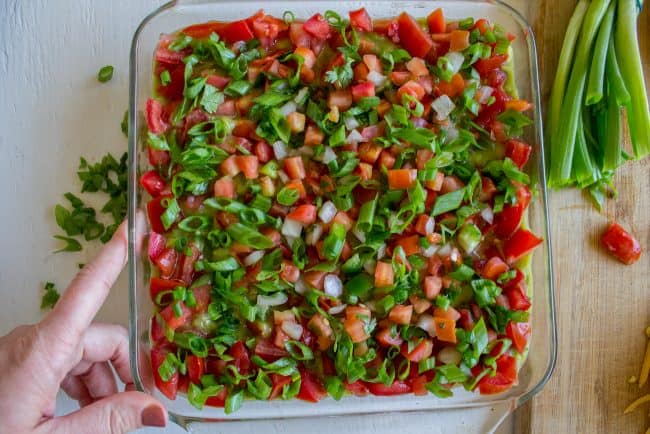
(116, 414)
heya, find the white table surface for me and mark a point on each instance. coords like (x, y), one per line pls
(52, 111)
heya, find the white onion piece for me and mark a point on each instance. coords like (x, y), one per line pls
(451, 133)
(350, 122)
(289, 239)
(483, 94)
(328, 155)
(449, 355)
(283, 176)
(288, 108)
(300, 286)
(429, 226)
(333, 285)
(292, 329)
(354, 137)
(430, 251)
(376, 78)
(360, 235)
(300, 96)
(487, 214)
(443, 106)
(456, 61)
(327, 212)
(291, 228)
(444, 250)
(381, 251)
(253, 257)
(314, 235)
(335, 310)
(272, 300)
(369, 266)
(454, 256)
(280, 150)
(427, 323)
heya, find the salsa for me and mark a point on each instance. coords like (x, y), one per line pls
(337, 208)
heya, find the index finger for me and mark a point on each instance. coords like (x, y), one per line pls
(84, 297)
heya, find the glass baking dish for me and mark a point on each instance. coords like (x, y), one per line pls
(539, 364)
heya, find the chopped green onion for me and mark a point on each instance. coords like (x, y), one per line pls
(105, 74)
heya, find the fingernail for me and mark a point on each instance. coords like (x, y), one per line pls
(154, 415)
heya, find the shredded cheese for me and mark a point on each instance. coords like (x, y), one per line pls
(630, 408)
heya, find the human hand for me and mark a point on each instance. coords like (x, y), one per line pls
(67, 350)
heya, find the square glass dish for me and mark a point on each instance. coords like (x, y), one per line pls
(542, 352)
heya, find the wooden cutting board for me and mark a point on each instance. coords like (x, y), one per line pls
(602, 306)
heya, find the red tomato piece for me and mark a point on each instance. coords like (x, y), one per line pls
(218, 81)
(621, 244)
(219, 400)
(242, 359)
(278, 382)
(397, 388)
(519, 245)
(166, 262)
(269, 352)
(357, 388)
(295, 167)
(156, 244)
(170, 387)
(484, 66)
(200, 31)
(158, 158)
(387, 339)
(158, 285)
(360, 20)
(317, 26)
(225, 187)
(249, 165)
(236, 31)
(173, 321)
(154, 114)
(436, 21)
(414, 39)
(311, 388)
(418, 384)
(305, 214)
(421, 351)
(153, 183)
(195, 368)
(157, 330)
(493, 268)
(518, 152)
(363, 90)
(518, 333)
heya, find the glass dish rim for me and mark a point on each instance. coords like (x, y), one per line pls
(133, 191)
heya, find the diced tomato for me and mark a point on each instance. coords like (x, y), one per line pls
(341, 99)
(219, 400)
(424, 225)
(363, 90)
(400, 179)
(155, 209)
(401, 314)
(384, 274)
(202, 297)
(518, 333)
(200, 31)
(490, 385)
(158, 285)
(496, 78)
(482, 25)
(169, 387)
(295, 167)
(224, 187)
(432, 286)
(298, 36)
(313, 136)
(436, 21)
(158, 158)
(156, 245)
(236, 31)
(305, 214)
(418, 384)
(173, 321)
(229, 166)
(357, 388)
(153, 183)
(449, 313)
(445, 329)
(317, 26)
(518, 152)
(249, 165)
(420, 352)
(297, 185)
(386, 338)
(154, 114)
(360, 20)
(278, 382)
(267, 351)
(493, 268)
(195, 368)
(414, 39)
(451, 183)
(242, 361)
(166, 262)
(519, 105)
(311, 388)
(484, 66)
(459, 40)
(218, 81)
(356, 329)
(380, 389)
(509, 219)
(187, 269)
(519, 245)
(157, 330)
(315, 278)
(290, 273)
(621, 244)
(411, 88)
(410, 244)
(517, 297)
(267, 28)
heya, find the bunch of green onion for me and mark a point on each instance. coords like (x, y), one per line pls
(599, 76)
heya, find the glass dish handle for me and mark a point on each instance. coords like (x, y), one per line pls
(470, 420)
